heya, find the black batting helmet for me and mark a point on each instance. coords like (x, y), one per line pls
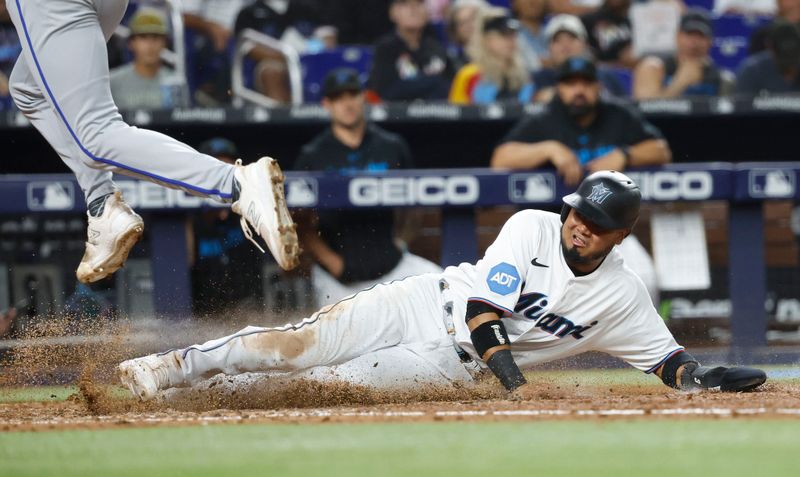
(610, 199)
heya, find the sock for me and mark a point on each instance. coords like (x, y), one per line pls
(96, 206)
(237, 188)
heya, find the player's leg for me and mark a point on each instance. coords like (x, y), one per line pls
(405, 314)
(64, 46)
(27, 96)
(113, 228)
(396, 368)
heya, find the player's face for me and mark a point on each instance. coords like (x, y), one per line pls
(346, 109)
(147, 49)
(586, 244)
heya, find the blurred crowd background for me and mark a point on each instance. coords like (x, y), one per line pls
(211, 52)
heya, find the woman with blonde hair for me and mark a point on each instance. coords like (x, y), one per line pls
(496, 72)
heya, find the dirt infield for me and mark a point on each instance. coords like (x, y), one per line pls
(266, 399)
(776, 401)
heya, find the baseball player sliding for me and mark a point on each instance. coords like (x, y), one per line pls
(550, 286)
(61, 84)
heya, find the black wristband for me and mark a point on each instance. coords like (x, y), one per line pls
(489, 335)
(475, 308)
(503, 366)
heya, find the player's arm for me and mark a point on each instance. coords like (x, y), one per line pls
(682, 371)
(491, 342)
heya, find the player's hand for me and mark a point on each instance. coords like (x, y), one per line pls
(613, 161)
(565, 162)
(689, 72)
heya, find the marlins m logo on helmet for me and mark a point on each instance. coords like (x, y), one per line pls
(599, 193)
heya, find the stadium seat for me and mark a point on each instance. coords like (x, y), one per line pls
(316, 66)
(625, 77)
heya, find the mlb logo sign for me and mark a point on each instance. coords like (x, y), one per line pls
(51, 196)
(771, 183)
(301, 192)
(527, 188)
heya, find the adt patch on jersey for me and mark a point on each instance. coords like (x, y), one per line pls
(503, 279)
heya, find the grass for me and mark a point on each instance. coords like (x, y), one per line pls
(733, 447)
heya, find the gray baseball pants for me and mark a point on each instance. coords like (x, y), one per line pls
(61, 84)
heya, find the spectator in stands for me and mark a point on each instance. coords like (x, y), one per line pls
(409, 64)
(497, 72)
(291, 22)
(353, 249)
(460, 28)
(690, 71)
(579, 131)
(9, 51)
(788, 10)
(211, 51)
(532, 39)
(359, 22)
(566, 38)
(146, 82)
(225, 268)
(610, 33)
(776, 70)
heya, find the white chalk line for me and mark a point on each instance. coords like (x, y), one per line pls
(257, 416)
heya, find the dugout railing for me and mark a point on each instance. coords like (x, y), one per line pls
(457, 192)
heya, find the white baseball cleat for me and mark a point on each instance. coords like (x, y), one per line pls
(262, 205)
(110, 239)
(147, 375)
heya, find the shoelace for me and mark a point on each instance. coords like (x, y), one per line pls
(248, 233)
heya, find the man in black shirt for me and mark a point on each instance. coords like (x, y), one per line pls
(690, 71)
(610, 33)
(579, 131)
(353, 249)
(408, 64)
(776, 70)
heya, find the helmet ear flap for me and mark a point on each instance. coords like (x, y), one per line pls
(565, 212)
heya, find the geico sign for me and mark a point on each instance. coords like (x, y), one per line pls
(667, 185)
(147, 195)
(390, 191)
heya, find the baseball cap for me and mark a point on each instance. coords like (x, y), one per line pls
(148, 21)
(341, 80)
(219, 146)
(563, 22)
(577, 66)
(697, 20)
(784, 40)
(501, 24)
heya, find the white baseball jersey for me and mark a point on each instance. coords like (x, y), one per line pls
(399, 333)
(550, 313)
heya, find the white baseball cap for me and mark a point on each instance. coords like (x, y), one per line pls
(563, 22)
